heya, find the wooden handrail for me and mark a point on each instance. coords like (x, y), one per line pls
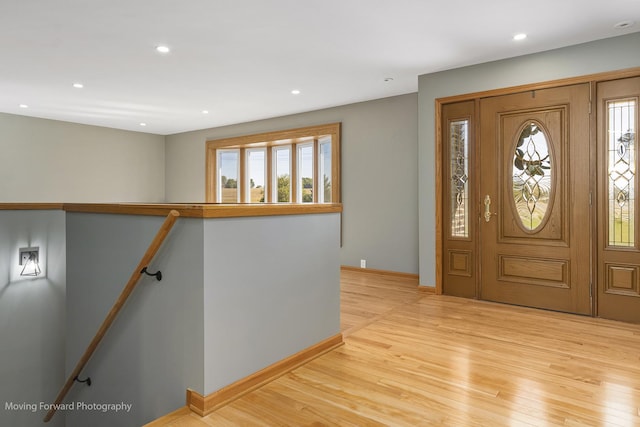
(135, 277)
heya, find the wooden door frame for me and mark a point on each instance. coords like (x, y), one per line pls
(592, 79)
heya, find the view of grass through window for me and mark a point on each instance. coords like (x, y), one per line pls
(294, 166)
(305, 173)
(325, 170)
(256, 172)
(228, 163)
(283, 173)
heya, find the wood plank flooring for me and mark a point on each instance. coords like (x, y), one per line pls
(412, 359)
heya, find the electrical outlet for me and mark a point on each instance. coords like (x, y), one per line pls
(363, 263)
(26, 253)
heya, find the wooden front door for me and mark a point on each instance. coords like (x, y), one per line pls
(618, 241)
(534, 199)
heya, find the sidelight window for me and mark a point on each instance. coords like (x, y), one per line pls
(621, 142)
(459, 177)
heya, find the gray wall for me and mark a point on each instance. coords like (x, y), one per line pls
(237, 295)
(155, 348)
(272, 289)
(32, 328)
(379, 175)
(52, 161)
(600, 56)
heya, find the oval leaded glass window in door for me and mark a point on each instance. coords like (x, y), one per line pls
(531, 175)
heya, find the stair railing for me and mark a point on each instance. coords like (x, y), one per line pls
(117, 306)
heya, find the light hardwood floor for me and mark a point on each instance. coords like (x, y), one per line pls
(412, 359)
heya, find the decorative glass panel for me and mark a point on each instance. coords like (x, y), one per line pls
(531, 176)
(621, 134)
(459, 144)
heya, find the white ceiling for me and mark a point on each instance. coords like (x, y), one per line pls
(240, 59)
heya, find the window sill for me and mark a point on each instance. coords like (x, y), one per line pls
(205, 210)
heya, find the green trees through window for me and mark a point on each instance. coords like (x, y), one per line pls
(292, 166)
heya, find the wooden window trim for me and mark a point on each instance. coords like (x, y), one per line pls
(316, 167)
(271, 139)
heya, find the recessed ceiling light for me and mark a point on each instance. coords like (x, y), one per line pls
(205, 111)
(388, 79)
(520, 36)
(24, 106)
(623, 24)
(143, 124)
(163, 49)
(78, 85)
(295, 92)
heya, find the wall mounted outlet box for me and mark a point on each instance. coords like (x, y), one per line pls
(26, 253)
(363, 263)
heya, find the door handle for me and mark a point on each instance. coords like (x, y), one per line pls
(487, 208)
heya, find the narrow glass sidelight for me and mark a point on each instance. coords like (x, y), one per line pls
(459, 177)
(531, 176)
(621, 136)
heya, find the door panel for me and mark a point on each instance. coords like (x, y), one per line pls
(517, 223)
(618, 242)
(458, 185)
(534, 184)
(529, 270)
